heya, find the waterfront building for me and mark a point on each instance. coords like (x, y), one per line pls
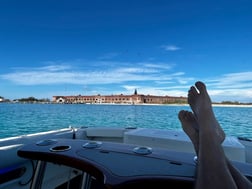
(119, 99)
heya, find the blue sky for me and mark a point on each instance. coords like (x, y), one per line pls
(159, 47)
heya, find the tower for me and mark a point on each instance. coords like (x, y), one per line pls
(135, 93)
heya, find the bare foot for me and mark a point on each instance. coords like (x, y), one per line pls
(190, 127)
(201, 105)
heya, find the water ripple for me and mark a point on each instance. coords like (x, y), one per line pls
(18, 119)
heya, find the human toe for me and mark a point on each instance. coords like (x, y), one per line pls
(181, 114)
(200, 86)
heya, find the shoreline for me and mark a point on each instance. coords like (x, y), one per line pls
(140, 104)
(233, 105)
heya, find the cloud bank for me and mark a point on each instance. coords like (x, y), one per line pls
(147, 77)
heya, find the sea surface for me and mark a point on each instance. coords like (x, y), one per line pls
(21, 119)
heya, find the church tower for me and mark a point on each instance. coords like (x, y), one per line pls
(135, 93)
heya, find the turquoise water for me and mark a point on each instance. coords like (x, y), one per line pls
(19, 119)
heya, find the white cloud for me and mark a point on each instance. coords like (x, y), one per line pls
(164, 66)
(146, 77)
(55, 67)
(58, 74)
(171, 47)
(231, 86)
(240, 95)
(130, 87)
(232, 81)
(136, 70)
(160, 91)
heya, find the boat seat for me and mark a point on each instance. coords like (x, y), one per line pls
(105, 132)
(234, 150)
(171, 140)
(179, 141)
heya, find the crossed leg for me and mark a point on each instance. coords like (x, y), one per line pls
(191, 128)
(214, 169)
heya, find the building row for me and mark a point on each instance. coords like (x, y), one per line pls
(119, 99)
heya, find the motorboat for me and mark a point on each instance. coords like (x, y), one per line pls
(108, 157)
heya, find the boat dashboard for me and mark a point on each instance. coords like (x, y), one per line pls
(108, 165)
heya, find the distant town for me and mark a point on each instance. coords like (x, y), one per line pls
(119, 99)
(112, 99)
(135, 98)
